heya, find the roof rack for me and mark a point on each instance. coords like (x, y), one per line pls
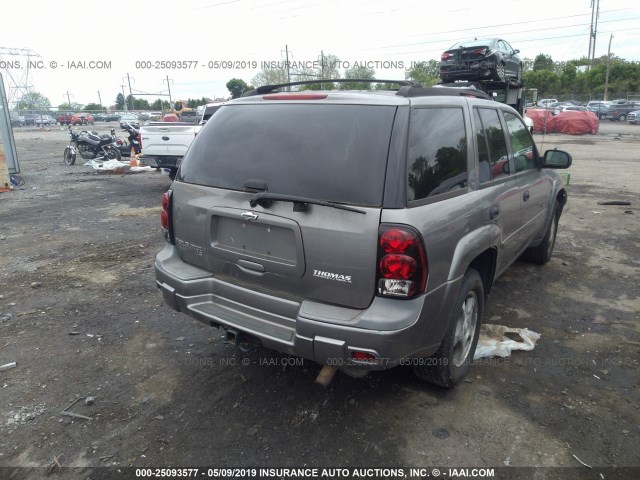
(272, 88)
(419, 91)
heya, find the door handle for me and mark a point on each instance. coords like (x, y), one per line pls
(494, 212)
(526, 195)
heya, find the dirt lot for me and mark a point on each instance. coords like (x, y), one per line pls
(81, 316)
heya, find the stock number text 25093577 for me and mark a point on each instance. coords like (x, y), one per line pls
(166, 64)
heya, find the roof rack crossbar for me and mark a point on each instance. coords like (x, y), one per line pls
(272, 88)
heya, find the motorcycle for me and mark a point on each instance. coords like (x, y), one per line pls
(133, 142)
(91, 146)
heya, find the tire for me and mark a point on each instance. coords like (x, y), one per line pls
(69, 158)
(499, 73)
(543, 252)
(113, 153)
(622, 117)
(453, 359)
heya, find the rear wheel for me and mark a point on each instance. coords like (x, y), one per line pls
(622, 117)
(543, 252)
(453, 359)
(499, 72)
(69, 156)
(113, 153)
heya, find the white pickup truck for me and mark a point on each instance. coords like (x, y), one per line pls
(165, 143)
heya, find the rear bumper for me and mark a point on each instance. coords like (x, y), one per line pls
(392, 330)
(161, 161)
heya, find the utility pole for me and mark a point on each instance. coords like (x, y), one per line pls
(100, 99)
(286, 49)
(124, 98)
(130, 93)
(606, 77)
(593, 30)
(68, 100)
(169, 88)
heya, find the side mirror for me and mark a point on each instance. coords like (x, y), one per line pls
(556, 159)
(516, 51)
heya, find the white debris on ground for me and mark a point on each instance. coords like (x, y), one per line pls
(115, 166)
(494, 342)
(24, 415)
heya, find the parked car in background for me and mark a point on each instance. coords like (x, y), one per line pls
(546, 102)
(484, 59)
(144, 116)
(82, 119)
(98, 117)
(30, 119)
(17, 120)
(129, 118)
(599, 108)
(617, 112)
(208, 110)
(111, 117)
(634, 117)
(41, 120)
(64, 118)
(571, 108)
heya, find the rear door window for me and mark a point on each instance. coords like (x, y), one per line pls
(321, 151)
(437, 158)
(497, 156)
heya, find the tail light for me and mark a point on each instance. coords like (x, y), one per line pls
(166, 217)
(445, 56)
(402, 262)
(480, 51)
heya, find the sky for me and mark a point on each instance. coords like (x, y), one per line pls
(214, 41)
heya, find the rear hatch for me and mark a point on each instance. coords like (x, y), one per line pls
(169, 140)
(320, 170)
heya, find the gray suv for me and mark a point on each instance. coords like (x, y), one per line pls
(361, 230)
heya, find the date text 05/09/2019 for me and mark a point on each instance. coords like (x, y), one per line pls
(314, 472)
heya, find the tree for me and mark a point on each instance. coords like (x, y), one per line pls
(33, 101)
(270, 76)
(74, 106)
(237, 87)
(425, 73)
(160, 104)
(93, 107)
(120, 102)
(543, 62)
(359, 72)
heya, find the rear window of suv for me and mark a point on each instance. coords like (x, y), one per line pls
(326, 152)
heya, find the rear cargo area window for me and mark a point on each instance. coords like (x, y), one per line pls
(321, 151)
(437, 160)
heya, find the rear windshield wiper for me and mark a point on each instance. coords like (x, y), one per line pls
(300, 204)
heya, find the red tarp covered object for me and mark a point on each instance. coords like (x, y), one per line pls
(574, 123)
(538, 117)
(570, 122)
